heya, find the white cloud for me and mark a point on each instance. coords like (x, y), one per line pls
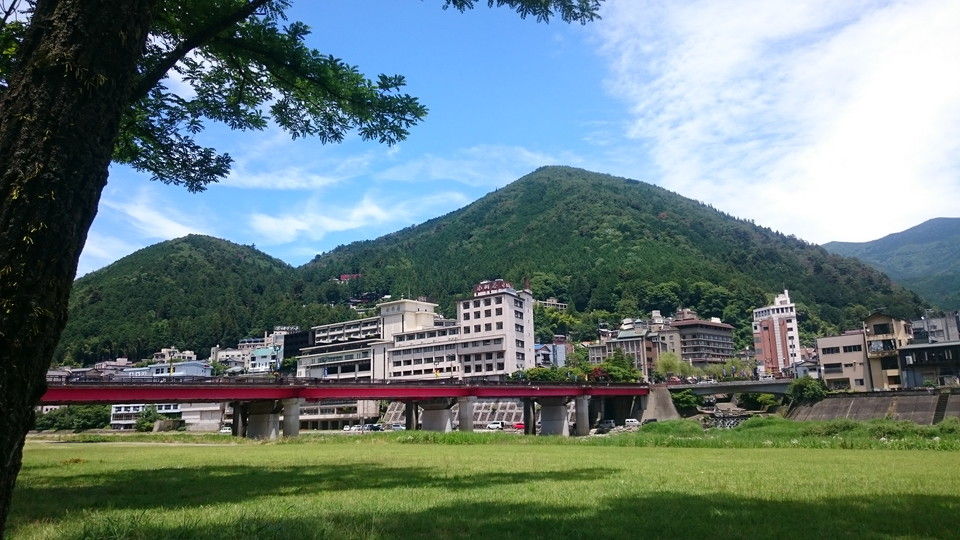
(481, 165)
(152, 218)
(833, 120)
(101, 249)
(314, 220)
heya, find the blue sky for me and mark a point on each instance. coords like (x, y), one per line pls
(828, 120)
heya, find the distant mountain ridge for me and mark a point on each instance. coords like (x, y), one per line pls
(924, 258)
(610, 247)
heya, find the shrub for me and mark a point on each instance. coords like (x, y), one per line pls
(147, 417)
(758, 402)
(950, 426)
(806, 390)
(673, 427)
(830, 428)
(887, 428)
(686, 400)
(75, 417)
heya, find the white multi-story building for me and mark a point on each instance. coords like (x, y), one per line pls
(497, 324)
(776, 335)
(124, 415)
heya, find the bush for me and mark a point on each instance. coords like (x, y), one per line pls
(758, 402)
(75, 417)
(950, 426)
(806, 390)
(673, 427)
(830, 428)
(887, 428)
(686, 400)
(147, 417)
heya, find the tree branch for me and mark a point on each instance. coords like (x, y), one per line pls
(153, 76)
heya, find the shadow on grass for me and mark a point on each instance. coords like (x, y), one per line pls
(660, 515)
(171, 488)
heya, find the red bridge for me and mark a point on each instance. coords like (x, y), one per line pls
(195, 390)
(263, 398)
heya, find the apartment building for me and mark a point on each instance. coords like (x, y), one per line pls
(936, 327)
(704, 342)
(636, 340)
(885, 335)
(776, 337)
(843, 361)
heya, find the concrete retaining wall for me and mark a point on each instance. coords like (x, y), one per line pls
(918, 407)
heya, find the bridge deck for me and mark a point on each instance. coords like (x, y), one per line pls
(217, 390)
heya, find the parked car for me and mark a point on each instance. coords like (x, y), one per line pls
(766, 377)
(226, 429)
(348, 428)
(708, 381)
(631, 422)
(372, 427)
(519, 426)
(496, 424)
(398, 427)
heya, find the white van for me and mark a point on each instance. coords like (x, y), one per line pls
(496, 424)
(631, 422)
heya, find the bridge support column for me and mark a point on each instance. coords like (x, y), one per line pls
(238, 427)
(437, 415)
(291, 417)
(263, 421)
(466, 405)
(582, 404)
(553, 416)
(529, 416)
(410, 414)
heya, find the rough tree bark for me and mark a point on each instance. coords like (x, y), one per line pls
(59, 119)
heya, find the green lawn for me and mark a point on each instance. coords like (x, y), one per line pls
(385, 487)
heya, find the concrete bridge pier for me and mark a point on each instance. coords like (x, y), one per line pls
(410, 413)
(529, 416)
(437, 415)
(263, 420)
(553, 416)
(582, 404)
(466, 406)
(238, 427)
(291, 417)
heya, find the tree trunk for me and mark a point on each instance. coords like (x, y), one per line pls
(59, 118)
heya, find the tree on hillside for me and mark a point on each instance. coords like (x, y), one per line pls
(81, 84)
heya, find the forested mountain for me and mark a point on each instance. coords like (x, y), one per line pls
(609, 246)
(193, 292)
(620, 246)
(925, 258)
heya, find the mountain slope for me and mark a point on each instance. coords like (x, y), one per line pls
(609, 243)
(192, 292)
(925, 258)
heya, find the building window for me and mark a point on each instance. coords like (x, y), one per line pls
(500, 366)
(488, 327)
(486, 301)
(486, 313)
(499, 326)
(520, 356)
(466, 329)
(518, 314)
(476, 328)
(520, 343)
(466, 369)
(499, 311)
(466, 305)
(858, 382)
(518, 303)
(498, 300)
(518, 328)
(466, 316)
(852, 348)
(476, 303)
(476, 314)
(830, 350)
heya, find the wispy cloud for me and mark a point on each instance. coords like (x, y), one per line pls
(811, 117)
(102, 249)
(313, 220)
(149, 215)
(481, 165)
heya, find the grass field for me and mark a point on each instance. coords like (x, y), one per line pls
(408, 485)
